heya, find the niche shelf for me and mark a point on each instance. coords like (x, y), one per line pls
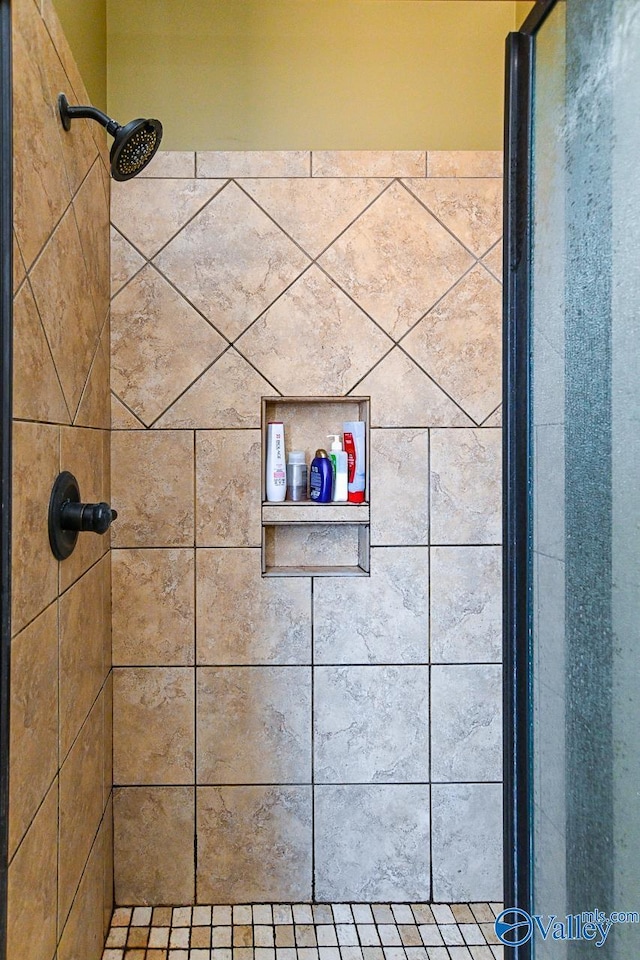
(303, 538)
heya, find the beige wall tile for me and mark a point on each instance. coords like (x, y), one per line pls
(459, 343)
(399, 487)
(470, 208)
(313, 212)
(154, 837)
(380, 261)
(466, 502)
(106, 836)
(84, 626)
(171, 163)
(121, 417)
(369, 163)
(495, 420)
(18, 264)
(107, 711)
(31, 922)
(82, 454)
(152, 488)
(37, 394)
(371, 724)
(466, 604)
(276, 818)
(388, 613)
(83, 933)
(308, 545)
(403, 396)
(81, 807)
(467, 841)
(464, 163)
(63, 296)
(34, 720)
(91, 205)
(269, 740)
(243, 618)
(159, 344)
(253, 163)
(125, 261)
(153, 725)
(41, 191)
(34, 569)
(373, 842)
(466, 722)
(228, 394)
(231, 261)
(315, 313)
(228, 488)
(153, 607)
(173, 202)
(94, 409)
(493, 260)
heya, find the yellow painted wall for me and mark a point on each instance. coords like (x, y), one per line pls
(321, 74)
(85, 25)
(523, 8)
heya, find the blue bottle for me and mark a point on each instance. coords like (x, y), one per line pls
(321, 477)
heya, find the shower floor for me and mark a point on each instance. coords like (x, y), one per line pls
(303, 931)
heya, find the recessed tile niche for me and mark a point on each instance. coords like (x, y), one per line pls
(303, 538)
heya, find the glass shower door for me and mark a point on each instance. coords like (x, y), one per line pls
(581, 516)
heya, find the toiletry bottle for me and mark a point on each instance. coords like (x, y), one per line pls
(354, 445)
(321, 477)
(296, 476)
(339, 464)
(276, 473)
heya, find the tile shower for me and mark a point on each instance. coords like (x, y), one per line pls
(312, 737)
(279, 739)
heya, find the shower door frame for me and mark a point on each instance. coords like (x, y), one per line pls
(517, 520)
(6, 376)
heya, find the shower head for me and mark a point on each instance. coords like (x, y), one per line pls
(134, 144)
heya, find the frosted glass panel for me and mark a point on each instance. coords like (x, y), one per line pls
(585, 477)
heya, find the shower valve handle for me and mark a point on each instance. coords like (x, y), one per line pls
(68, 516)
(96, 517)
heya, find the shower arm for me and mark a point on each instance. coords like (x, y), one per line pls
(67, 114)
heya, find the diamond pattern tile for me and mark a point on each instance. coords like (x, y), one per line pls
(470, 208)
(125, 261)
(226, 395)
(396, 261)
(314, 212)
(459, 343)
(65, 303)
(231, 261)
(493, 260)
(150, 212)
(403, 396)
(37, 394)
(314, 340)
(159, 344)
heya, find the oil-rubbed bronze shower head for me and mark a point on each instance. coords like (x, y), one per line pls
(134, 144)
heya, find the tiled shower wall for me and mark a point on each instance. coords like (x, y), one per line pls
(310, 738)
(60, 820)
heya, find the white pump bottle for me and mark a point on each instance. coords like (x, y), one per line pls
(339, 463)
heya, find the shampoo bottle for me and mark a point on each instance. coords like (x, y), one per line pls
(321, 477)
(354, 445)
(276, 479)
(296, 476)
(339, 464)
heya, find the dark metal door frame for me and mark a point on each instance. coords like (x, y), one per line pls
(517, 690)
(6, 298)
